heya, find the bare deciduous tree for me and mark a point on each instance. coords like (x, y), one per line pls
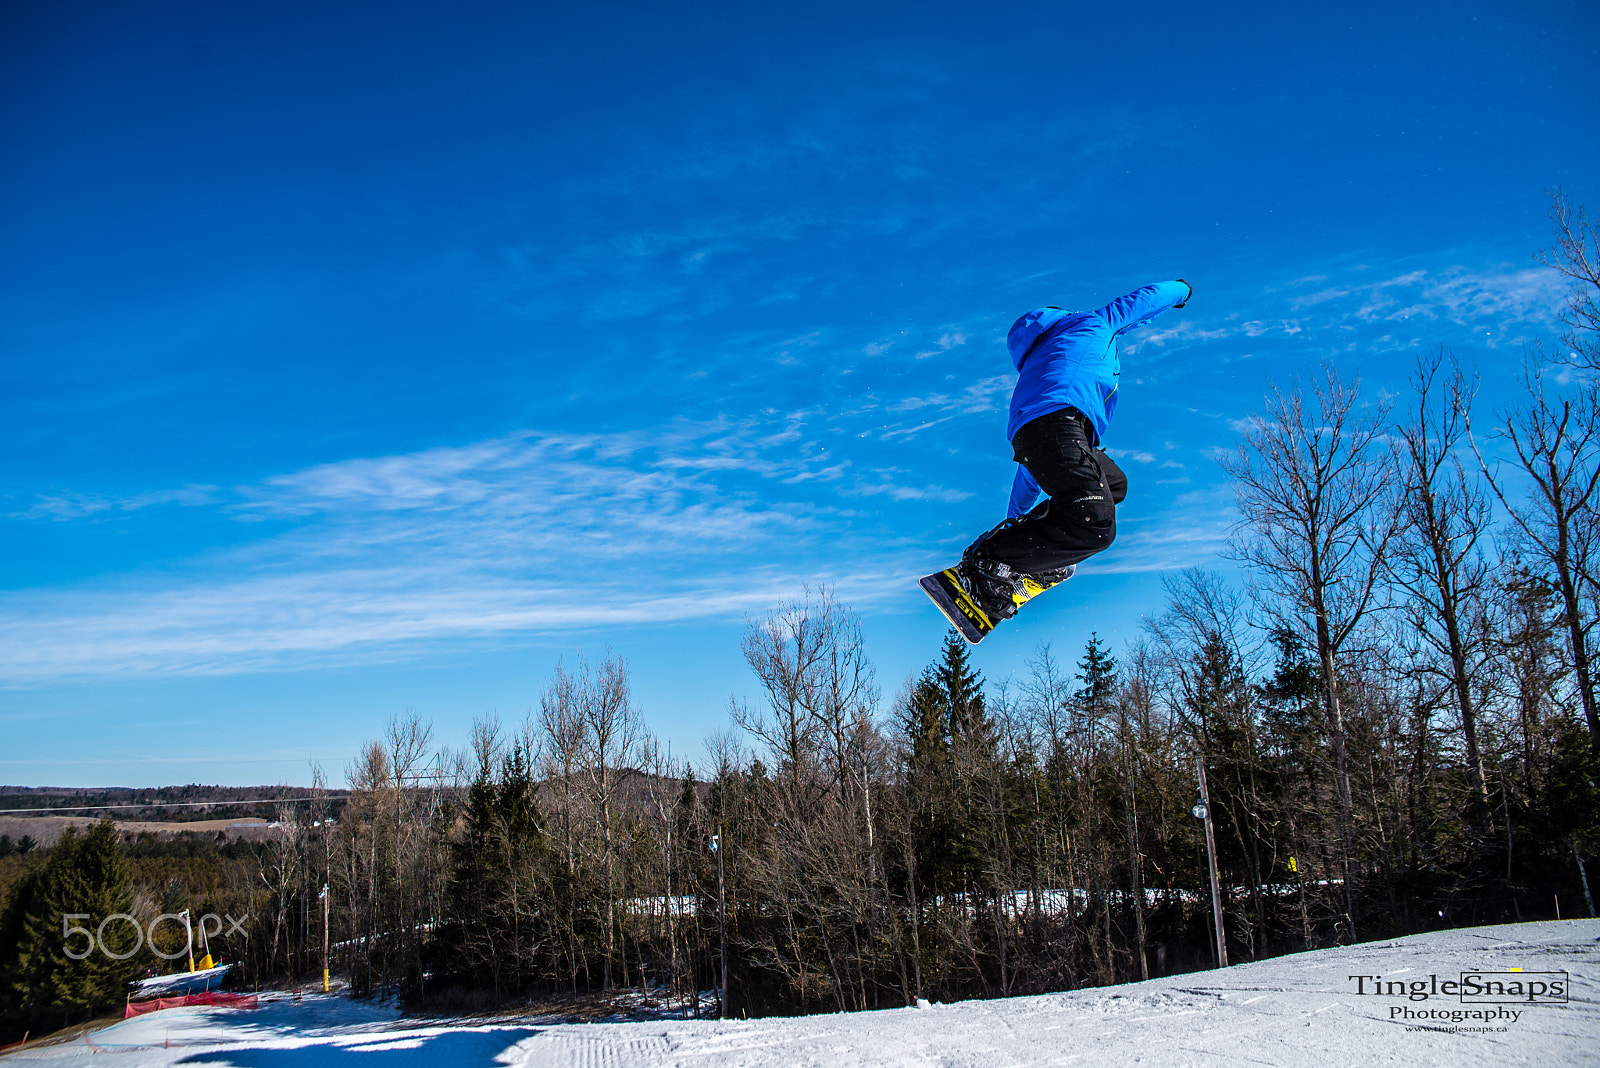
(1577, 256)
(595, 735)
(1438, 559)
(1316, 498)
(812, 664)
(1555, 443)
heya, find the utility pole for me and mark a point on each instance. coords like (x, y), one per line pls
(722, 927)
(1202, 811)
(324, 897)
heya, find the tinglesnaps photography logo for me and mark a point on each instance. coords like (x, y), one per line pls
(119, 922)
(1501, 990)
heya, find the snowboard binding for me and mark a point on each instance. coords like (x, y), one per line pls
(978, 594)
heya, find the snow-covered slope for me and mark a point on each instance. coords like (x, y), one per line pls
(1304, 1009)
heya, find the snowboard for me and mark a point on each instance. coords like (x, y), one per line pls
(970, 621)
(962, 611)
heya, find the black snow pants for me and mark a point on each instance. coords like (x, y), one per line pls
(1084, 486)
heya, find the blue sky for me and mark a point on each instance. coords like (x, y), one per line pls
(364, 357)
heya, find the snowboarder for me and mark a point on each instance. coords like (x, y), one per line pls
(1064, 496)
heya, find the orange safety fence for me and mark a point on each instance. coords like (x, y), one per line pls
(216, 997)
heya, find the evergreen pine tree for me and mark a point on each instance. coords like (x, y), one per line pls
(951, 735)
(41, 987)
(1291, 693)
(961, 690)
(495, 887)
(1098, 673)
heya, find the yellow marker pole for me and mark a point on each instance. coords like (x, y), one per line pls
(324, 896)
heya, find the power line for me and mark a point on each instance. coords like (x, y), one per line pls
(167, 804)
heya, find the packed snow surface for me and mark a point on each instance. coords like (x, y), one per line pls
(1304, 1009)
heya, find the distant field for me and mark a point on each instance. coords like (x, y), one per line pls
(238, 811)
(46, 829)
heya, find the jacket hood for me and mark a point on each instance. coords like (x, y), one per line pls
(1028, 329)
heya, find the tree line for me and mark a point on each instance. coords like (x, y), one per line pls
(1396, 712)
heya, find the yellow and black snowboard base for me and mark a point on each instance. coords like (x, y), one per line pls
(961, 610)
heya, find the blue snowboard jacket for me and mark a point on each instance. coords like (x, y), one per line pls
(1069, 360)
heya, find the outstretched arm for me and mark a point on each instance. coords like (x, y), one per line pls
(1145, 303)
(1025, 494)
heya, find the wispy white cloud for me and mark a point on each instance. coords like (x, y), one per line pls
(333, 616)
(519, 535)
(1192, 530)
(907, 431)
(1456, 294)
(66, 506)
(887, 484)
(950, 339)
(1388, 310)
(985, 395)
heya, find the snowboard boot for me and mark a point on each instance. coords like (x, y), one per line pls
(1024, 587)
(975, 595)
(981, 592)
(992, 584)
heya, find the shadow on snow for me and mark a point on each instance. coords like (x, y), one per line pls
(467, 1047)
